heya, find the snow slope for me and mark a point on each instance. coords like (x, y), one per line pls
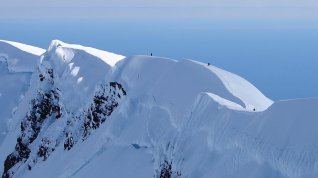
(91, 113)
(275, 143)
(17, 62)
(20, 57)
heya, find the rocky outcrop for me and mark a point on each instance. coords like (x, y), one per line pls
(43, 107)
(107, 97)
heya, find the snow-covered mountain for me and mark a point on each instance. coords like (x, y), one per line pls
(75, 111)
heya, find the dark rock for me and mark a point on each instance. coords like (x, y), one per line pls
(136, 146)
(45, 148)
(69, 142)
(104, 103)
(42, 107)
(41, 76)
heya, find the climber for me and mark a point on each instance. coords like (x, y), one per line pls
(150, 54)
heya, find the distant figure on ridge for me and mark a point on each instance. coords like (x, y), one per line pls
(209, 64)
(150, 54)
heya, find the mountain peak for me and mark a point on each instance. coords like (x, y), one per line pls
(108, 57)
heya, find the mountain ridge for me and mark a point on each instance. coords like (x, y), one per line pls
(146, 116)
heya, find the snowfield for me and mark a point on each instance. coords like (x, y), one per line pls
(75, 111)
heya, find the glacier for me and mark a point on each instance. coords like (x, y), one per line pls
(76, 111)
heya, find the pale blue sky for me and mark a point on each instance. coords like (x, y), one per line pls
(160, 9)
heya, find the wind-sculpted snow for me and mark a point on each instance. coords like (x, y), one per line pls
(275, 143)
(78, 71)
(109, 58)
(90, 113)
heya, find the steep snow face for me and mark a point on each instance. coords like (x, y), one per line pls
(17, 63)
(78, 70)
(275, 143)
(64, 93)
(90, 113)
